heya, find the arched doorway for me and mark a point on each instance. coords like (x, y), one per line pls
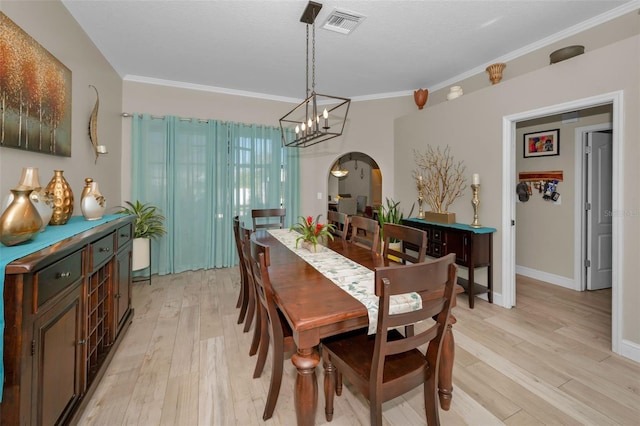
(363, 181)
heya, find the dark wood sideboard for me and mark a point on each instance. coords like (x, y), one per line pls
(67, 308)
(473, 248)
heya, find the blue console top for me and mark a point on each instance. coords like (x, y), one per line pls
(461, 226)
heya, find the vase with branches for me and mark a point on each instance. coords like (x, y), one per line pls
(439, 178)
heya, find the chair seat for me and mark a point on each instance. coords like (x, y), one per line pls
(403, 365)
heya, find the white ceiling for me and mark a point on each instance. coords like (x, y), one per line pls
(259, 46)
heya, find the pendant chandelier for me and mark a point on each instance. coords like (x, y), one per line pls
(338, 171)
(319, 117)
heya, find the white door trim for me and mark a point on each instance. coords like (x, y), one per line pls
(579, 225)
(508, 199)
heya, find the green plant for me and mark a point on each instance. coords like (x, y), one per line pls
(390, 214)
(312, 231)
(148, 222)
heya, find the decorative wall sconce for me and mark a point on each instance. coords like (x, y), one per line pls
(93, 129)
(495, 72)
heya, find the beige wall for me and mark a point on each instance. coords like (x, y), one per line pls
(472, 126)
(49, 23)
(545, 229)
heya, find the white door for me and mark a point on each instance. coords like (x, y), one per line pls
(599, 210)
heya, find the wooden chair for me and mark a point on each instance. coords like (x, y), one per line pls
(243, 296)
(341, 223)
(274, 327)
(252, 305)
(263, 218)
(404, 234)
(249, 294)
(387, 365)
(371, 231)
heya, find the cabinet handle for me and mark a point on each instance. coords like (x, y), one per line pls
(63, 275)
(124, 235)
(82, 342)
(104, 249)
(117, 296)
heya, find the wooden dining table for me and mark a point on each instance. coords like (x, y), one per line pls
(316, 308)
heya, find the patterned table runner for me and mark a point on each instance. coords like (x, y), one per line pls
(350, 276)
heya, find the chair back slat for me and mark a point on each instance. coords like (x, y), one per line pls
(406, 235)
(365, 232)
(268, 218)
(340, 221)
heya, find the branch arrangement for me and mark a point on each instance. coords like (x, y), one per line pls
(439, 177)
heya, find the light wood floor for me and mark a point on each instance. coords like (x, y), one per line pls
(185, 361)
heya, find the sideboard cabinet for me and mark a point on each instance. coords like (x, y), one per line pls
(473, 248)
(66, 310)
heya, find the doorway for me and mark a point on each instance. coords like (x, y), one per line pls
(508, 297)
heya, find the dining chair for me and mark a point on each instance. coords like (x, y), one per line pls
(340, 221)
(253, 306)
(386, 365)
(371, 230)
(243, 296)
(274, 326)
(244, 235)
(264, 218)
(405, 235)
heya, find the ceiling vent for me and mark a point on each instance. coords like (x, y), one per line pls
(343, 21)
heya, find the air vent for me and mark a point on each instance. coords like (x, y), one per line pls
(342, 21)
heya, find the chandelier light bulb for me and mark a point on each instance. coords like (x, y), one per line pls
(297, 129)
(303, 127)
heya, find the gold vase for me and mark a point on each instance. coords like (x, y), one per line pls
(41, 199)
(62, 199)
(20, 222)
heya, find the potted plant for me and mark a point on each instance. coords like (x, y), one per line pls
(312, 231)
(148, 225)
(391, 214)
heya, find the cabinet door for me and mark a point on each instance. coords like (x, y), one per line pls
(458, 243)
(57, 359)
(122, 286)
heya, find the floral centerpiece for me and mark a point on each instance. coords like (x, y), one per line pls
(312, 231)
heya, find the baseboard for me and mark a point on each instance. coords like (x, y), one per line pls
(497, 298)
(546, 277)
(630, 350)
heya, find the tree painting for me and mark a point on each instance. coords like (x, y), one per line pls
(35, 94)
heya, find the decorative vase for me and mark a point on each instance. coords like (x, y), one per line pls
(62, 199)
(495, 72)
(92, 203)
(40, 197)
(308, 245)
(440, 217)
(420, 96)
(20, 222)
(397, 246)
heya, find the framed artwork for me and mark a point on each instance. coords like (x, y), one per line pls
(542, 144)
(35, 95)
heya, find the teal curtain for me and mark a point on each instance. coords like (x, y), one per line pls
(201, 173)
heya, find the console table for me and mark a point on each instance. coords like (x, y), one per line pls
(67, 305)
(473, 248)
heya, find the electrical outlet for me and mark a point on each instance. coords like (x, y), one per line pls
(319, 195)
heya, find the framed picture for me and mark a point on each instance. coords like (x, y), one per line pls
(35, 92)
(542, 144)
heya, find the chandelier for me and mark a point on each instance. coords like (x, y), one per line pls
(338, 171)
(319, 117)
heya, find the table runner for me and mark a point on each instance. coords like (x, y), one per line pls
(51, 235)
(350, 276)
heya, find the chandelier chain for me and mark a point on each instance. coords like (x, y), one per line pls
(313, 56)
(306, 82)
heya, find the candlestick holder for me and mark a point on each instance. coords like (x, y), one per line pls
(420, 199)
(475, 202)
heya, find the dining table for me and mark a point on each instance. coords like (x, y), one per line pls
(316, 308)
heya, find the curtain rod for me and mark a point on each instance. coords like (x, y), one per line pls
(200, 120)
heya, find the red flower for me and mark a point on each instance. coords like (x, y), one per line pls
(319, 227)
(309, 220)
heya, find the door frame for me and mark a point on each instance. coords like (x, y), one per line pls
(579, 248)
(509, 199)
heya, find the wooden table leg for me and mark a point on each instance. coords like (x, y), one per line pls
(306, 387)
(445, 373)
